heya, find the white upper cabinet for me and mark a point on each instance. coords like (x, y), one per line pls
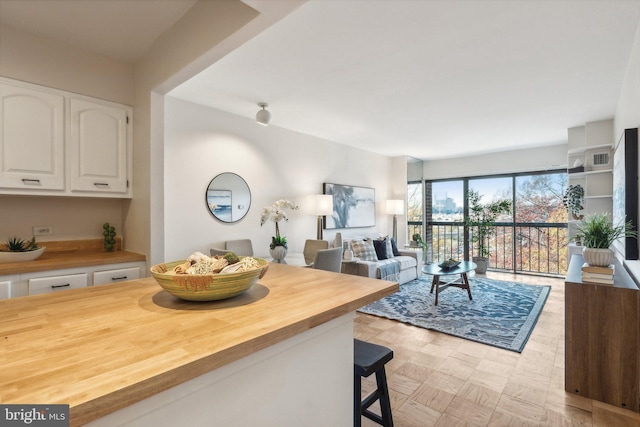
(98, 135)
(31, 138)
(54, 142)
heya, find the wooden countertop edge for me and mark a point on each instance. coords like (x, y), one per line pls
(71, 259)
(104, 405)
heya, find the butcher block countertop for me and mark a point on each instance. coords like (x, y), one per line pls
(100, 349)
(71, 254)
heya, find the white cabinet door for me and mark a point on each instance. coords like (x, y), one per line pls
(31, 138)
(113, 276)
(5, 289)
(98, 134)
(43, 285)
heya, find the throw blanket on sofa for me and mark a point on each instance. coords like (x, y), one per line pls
(389, 269)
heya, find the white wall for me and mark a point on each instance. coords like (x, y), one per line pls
(201, 142)
(628, 108)
(526, 160)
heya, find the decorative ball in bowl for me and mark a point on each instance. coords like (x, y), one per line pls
(449, 264)
(207, 287)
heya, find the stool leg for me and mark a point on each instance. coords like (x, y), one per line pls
(385, 402)
(357, 411)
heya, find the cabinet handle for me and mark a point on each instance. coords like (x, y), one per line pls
(101, 184)
(119, 278)
(60, 286)
(29, 181)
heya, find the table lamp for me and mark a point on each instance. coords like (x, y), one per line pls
(323, 206)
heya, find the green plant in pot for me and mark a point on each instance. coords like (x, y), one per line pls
(15, 244)
(573, 200)
(482, 221)
(597, 234)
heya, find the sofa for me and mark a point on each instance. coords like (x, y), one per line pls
(379, 258)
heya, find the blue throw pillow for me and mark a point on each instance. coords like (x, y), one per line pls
(394, 247)
(381, 248)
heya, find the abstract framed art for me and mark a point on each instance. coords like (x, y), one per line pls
(353, 207)
(625, 191)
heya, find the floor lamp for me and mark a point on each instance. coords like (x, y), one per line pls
(395, 208)
(323, 206)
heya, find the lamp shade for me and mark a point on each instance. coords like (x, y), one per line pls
(323, 204)
(395, 207)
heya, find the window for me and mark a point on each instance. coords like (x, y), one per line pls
(533, 238)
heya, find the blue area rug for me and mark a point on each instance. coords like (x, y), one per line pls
(501, 314)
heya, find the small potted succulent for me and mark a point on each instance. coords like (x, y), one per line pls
(17, 250)
(597, 233)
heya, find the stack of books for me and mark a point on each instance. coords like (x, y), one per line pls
(593, 274)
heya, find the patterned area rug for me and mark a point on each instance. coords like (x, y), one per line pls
(501, 314)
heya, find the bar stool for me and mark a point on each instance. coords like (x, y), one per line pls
(370, 358)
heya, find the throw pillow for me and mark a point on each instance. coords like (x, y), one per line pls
(364, 250)
(387, 241)
(380, 245)
(394, 247)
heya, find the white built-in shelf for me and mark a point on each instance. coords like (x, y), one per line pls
(585, 173)
(582, 150)
(600, 196)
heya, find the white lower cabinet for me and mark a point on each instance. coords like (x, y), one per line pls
(5, 289)
(45, 285)
(19, 285)
(113, 276)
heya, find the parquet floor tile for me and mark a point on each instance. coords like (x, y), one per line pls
(440, 380)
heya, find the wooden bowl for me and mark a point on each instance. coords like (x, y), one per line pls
(207, 287)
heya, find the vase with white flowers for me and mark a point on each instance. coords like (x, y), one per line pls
(276, 213)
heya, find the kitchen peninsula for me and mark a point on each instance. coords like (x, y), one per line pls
(131, 354)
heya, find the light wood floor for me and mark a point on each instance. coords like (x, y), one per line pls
(439, 380)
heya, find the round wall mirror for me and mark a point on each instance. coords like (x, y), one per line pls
(228, 197)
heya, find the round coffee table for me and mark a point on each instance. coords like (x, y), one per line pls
(461, 281)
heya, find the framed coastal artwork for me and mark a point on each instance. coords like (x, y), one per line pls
(353, 206)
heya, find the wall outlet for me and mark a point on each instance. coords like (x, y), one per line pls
(41, 230)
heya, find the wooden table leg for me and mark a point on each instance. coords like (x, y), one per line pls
(434, 281)
(466, 283)
(437, 279)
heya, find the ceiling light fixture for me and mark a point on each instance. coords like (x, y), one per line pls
(263, 116)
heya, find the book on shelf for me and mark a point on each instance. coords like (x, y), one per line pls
(596, 269)
(598, 281)
(586, 275)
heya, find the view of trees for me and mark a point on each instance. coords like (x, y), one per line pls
(533, 239)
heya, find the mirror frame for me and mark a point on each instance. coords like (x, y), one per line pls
(226, 191)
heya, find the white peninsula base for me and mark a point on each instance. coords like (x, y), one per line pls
(306, 380)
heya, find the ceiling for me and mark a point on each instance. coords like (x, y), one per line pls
(428, 79)
(119, 29)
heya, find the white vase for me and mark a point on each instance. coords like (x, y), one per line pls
(278, 253)
(597, 257)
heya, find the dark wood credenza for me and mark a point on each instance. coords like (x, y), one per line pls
(602, 338)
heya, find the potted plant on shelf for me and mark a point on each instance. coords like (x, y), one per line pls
(482, 221)
(597, 233)
(573, 200)
(18, 250)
